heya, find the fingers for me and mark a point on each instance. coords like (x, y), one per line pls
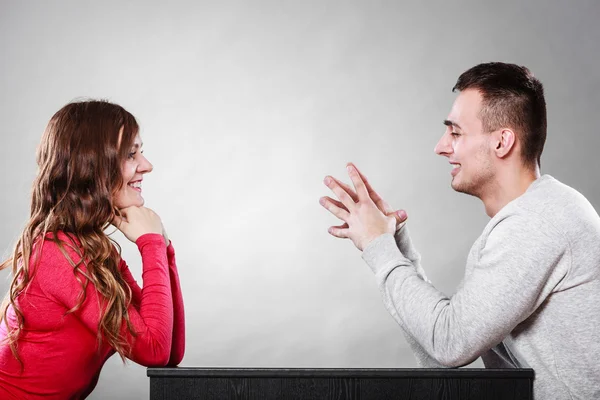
(400, 216)
(377, 199)
(121, 216)
(125, 211)
(381, 204)
(339, 212)
(340, 193)
(359, 185)
(134, 222)
(117, 221)
(374, 196)
(363, 177)
(340, 231)
(335, 202)
(355, 205)
(347, 189)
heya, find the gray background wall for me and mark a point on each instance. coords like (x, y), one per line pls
(246, 106)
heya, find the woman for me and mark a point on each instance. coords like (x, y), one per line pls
(73, 302)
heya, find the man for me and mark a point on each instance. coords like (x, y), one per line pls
(530, 296)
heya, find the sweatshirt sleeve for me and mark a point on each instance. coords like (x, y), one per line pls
(406, 247)
(521, 260)
(152, 322)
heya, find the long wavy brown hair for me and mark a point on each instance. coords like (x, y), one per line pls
(79, 171)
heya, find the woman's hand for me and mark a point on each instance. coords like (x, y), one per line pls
(137, 221)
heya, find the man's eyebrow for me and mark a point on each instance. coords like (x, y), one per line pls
(447, 122)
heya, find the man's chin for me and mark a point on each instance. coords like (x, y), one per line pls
(463, 189)
(455, 184)
(458, 187)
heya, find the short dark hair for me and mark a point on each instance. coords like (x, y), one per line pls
(512, 98)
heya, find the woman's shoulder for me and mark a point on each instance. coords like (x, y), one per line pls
(56, 249)
(63, 250)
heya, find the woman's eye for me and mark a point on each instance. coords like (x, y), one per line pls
(131, 155)
(455, 134)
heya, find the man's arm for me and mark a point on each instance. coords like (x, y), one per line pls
(520, 262)
(408, 250)
(404, 244)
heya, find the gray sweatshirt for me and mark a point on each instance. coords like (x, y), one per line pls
(530, 297)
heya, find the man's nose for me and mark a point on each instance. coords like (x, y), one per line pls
(443, 147)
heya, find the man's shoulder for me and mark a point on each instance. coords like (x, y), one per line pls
(517, 232)
(524, 219)
(549, 208)
(520, 218)
(548, 191)
(549, 201)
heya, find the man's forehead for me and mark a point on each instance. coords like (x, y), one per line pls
(466, 106)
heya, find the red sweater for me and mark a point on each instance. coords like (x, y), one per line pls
(59, 350)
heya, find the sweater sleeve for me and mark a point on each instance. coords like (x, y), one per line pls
(178, 345)
(136, 290)
(152, 322)
(520, 262)
(178, 337)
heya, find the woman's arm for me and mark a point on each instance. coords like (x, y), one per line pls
(178, 344)
(136, 290)
(152, 321)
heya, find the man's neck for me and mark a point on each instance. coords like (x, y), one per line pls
(509, 184)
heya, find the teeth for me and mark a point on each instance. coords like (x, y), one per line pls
(454, 166)
(136, 184)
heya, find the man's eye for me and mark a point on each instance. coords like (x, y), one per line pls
(455, 134)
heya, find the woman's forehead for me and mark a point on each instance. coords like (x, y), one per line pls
(137, 140)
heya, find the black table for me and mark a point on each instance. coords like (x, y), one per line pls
(182, 383)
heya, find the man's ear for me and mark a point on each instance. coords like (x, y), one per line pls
(504, 141)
